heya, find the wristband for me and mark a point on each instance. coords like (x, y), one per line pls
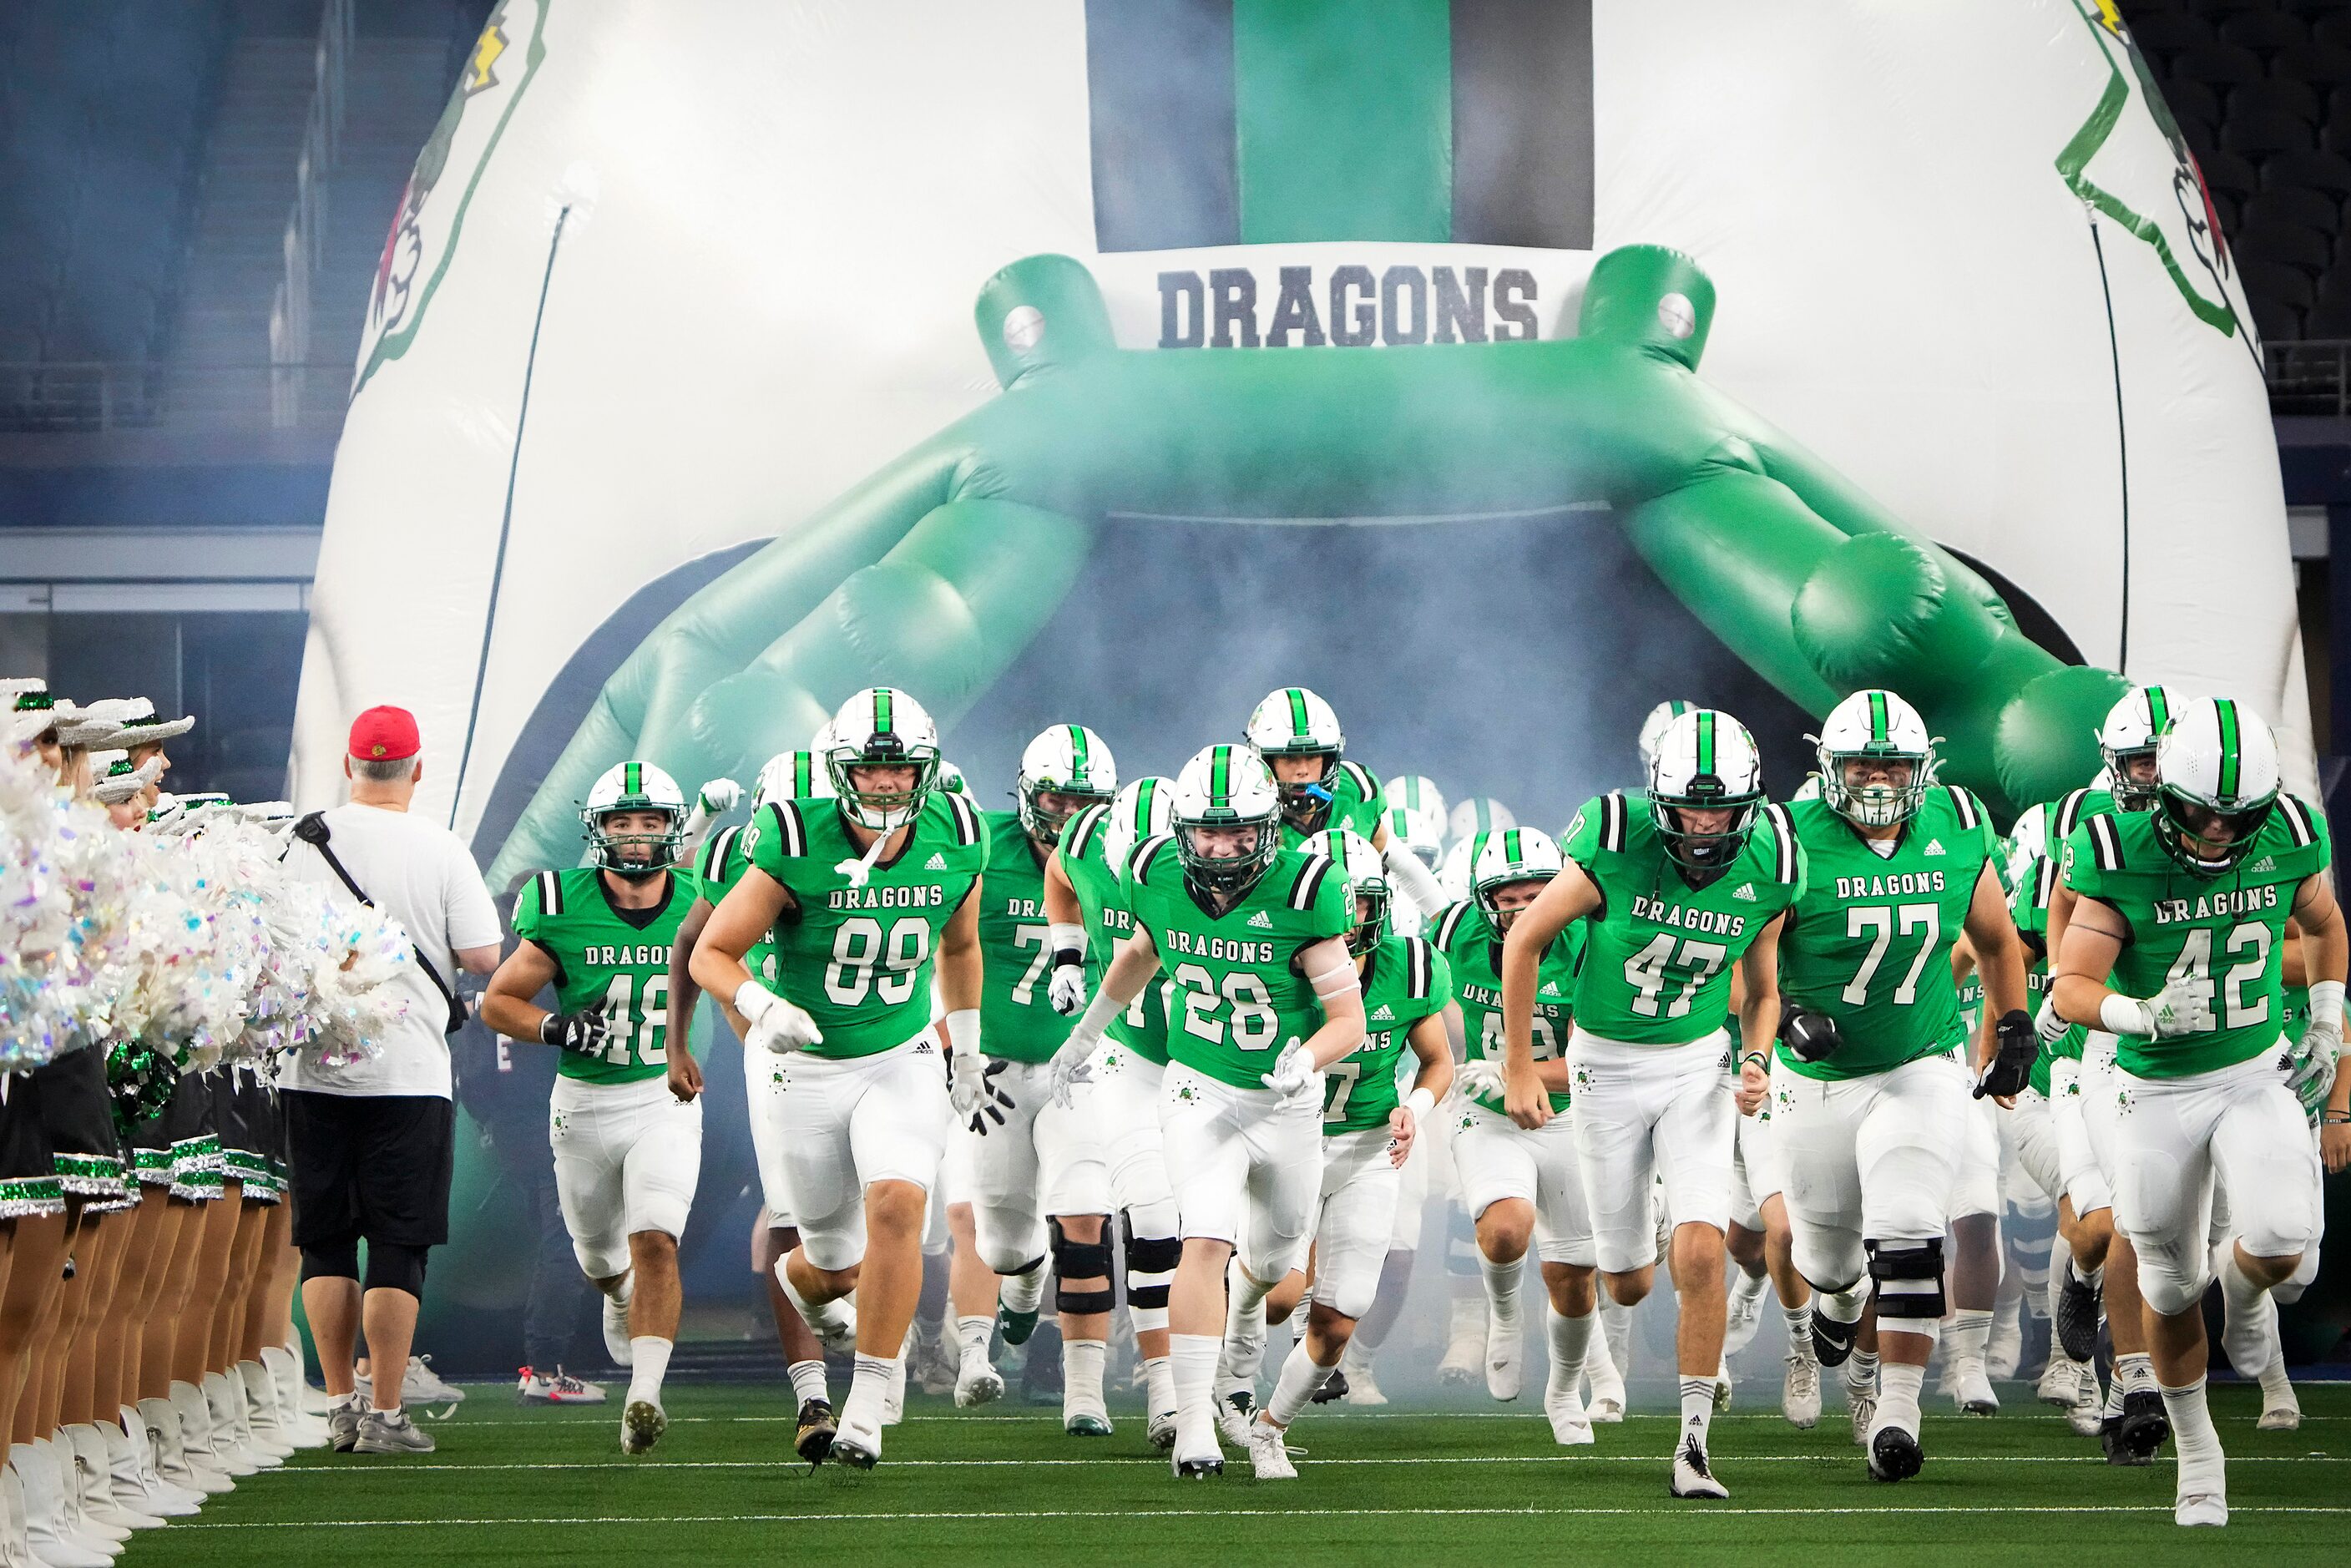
(547, 1027)
(1068, 942)
(1420, 1102)
(2327, 1002)
(2335, 1118)
(963, 1031)
(753, 999)
(2120, 1014)
(1757, 1059)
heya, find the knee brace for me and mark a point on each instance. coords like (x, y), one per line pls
(1151, 1262)
(1909, 1278)
(331, 1261)
(1081, 1261)
(395, 1267)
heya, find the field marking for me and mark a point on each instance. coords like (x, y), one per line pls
(961, 1516)
(2017, 1413)
(1122, 1459)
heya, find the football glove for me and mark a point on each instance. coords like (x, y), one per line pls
(2311, 1065)
(1293, 1069)
(583, 1032)
(2049, 1026)
(1066, 990)
(718, 797)
(1481, 1078)
(1810, 1034)
(1073, 1064)
(777, 1025)
(2184, 1006)
(2010, 1067)
(973, 1092)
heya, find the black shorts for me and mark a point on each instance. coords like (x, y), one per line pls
(187, 1132)
(372, 1167)
(28, 1177)
(78, 1113)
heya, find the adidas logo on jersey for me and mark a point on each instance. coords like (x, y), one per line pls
(1386, 1014)
(936, 863)
(1745, 893)
(1550, 988)
(1260, 921)
(2267, 863)
(1934, 847)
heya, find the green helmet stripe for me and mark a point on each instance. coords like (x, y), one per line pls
(882, 709)
(2159, 711)
(1144, 799)
(632, 782)
(1297, 723)
(1706, 742)
(2230, 759)
(1878, 719)
(1078, 753)
(1511, 847)
(803, 775)
(1220, 774)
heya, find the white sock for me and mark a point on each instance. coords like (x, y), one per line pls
(1569, 1338)
(1502, 1291)
(1158, 1385)
(1897, 1397)
(1698, 1407)
(1299, 1380)
(649, 1356)
(973, 1335)
(2202, 1468)
(1082, 1374)
(1023, 1292)
(1243, 1356)
(1800, 1329)
(808, 1381)
(1969, 1330)
(1194, 1359)
(868, 1387)
(2276, 1385)
(1861, 1370)
(1746, 1288)
(2133, 1373)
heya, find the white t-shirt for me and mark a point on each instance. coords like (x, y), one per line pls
(423, 875)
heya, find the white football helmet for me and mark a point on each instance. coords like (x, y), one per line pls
(1226, 787)
(1875, 727)
(1705, 761)
(1453, 871)
(2218, 771)
(635, 787)
(1352, 856)
(791, 776)
(1479, 814)
(883, 727)
(2128, 741)
(1514, 854)
(1066, 760)
(2028, 840)
(1653, 728)
(1143, 808)
(1294, 722)
(1416, 815)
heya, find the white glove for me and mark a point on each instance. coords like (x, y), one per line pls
(1478, 1077)
(1073, 1064)
(777, 1025)
(1293, 1069)
(1066, 991)
(718, 797)
(2047, 1026)
(2313, 1065)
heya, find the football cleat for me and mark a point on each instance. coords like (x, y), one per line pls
(2281, 1410)
(1160, 1431)
(2144, 1424)
(1722, 1386)
(1693, 1476)
(2110, 1429)
(1799, 1391)
(1269, 1454)
(2060, 1382)
(1086, 1424)
(642, 1426)
(1235, 1412)
(979, 1383)
(1862, 1404)
(1334, 1388)
(859, 1447)
(2203, 1508)
(1503, 1354)
(813, 1440)
(1833, 1341)
(2089, 1404)
(2076, 1321)
(1570, 1427)
(1893, 1455)
(1016, 1327)
(1973, 1390)
(1465, 1350)
(1363, 1389)
(935, 1367)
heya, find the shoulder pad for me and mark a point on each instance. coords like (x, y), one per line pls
(715, 853)
(2105, 841)
(2297, 818)
(1449, 923)
(1077, 837)
(1613, 815)
(1140, 859)
(790, 829)
(1312, 870)
(1419, 969)
(2069, 812)
(968, 827)
(1969, 809)
(1784, 843)
(1366, 785)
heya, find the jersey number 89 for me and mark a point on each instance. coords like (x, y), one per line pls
(864, 959)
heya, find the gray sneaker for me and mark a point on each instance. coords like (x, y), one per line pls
(391, 1432)
(344, 1423)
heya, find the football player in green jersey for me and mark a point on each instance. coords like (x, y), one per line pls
(1085, 900)
(627, 1152)
(2174, 946)
(1299, 736)
(2083, 1074)
(1673, 888)
(1415, 818)
(1522, 1185)
(1870, 1090)
(1038, 1173)
(792, 776)
(860, 897)
(1368, 1129)
(1265, 996)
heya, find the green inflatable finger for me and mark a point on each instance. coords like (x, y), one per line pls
(962, 548)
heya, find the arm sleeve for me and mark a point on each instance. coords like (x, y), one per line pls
(1420, 884)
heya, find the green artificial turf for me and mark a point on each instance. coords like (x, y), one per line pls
(512, 1485)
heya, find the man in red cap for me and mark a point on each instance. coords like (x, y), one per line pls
(371, 1141)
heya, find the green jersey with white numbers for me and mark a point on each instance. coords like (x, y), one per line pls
(1101, 888)
(1355, 804)
(2027, 905)
(858, 958)
(2226, 932)
(608, 960)
(1467, 938)
(1406, 980)
(1239, 996)
(1870, 941)
(1016, 1022)
(1658, 951)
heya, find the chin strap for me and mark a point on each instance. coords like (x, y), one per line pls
(860, 871)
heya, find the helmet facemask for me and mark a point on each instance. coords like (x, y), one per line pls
(1046, 825)
(1365, 934)
(1498, 918)
(883, 811)
(1881, 803)
(1228, 875)
(1709, 853)
(1306, 803)
(635, 854)
(2185, 816)
(2131, 794)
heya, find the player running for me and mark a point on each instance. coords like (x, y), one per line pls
(1039, 1180)
(1870, 1090)
(1368, 1129)
(1298, 735)
(1673, 891)
(860, 896)
(2174, 946)
(1265, 996)
(628, 1154)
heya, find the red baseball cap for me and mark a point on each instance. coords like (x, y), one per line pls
(385, 735)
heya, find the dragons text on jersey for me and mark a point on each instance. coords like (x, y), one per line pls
(608, 960)
(1466, 939)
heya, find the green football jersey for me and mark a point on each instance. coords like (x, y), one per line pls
(1406, 980)
(722, 865)
(2225, 933)
(859, 958)
(1102, 898)
(1466, 939)
(1355, 804)
(1658, 952)
(1870, 941)
(2027, 905)
(607, 960)
(1016, 1020)
(1239, 997)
